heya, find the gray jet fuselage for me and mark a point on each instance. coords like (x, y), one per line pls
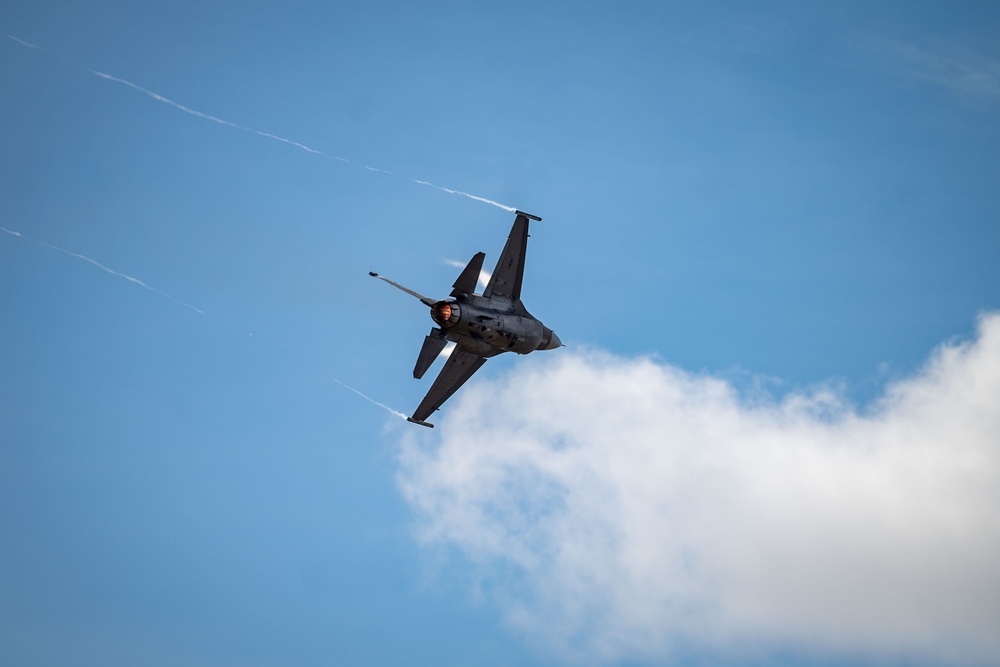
(492, 326)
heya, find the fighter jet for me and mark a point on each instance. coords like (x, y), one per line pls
(481, 325)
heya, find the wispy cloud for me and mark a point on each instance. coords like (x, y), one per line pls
(102, 267)
(624, 509)
(956, 66)
(228, 123)
(370, 399)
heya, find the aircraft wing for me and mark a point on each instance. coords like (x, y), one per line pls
(506, 278)
(460, 366)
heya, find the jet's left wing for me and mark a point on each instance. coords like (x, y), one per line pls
(506, 278)
(460, 366)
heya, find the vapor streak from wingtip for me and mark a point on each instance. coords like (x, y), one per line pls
(370, 399)
(214, 119)
(104, 268)
(466, 194)
(267, 135)
(24, 43)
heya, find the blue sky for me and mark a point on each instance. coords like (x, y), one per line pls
(784, 210)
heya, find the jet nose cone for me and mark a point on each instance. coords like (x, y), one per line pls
(554, 341)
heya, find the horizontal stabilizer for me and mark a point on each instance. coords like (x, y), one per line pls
(433, 344)
(417, 421)
(528, 215)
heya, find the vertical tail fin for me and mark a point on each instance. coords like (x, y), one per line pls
(466, 283)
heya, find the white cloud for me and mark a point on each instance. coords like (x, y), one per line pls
(625, 509)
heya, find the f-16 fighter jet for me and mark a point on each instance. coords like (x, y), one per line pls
(481, 325)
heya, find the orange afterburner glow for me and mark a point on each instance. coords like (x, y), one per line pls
(445, 313)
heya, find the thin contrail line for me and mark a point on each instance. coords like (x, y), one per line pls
(106, 269)
(28, 44)
(466, 194)
(214, 119)
(370, 399)
(132, 279)
(222, 121)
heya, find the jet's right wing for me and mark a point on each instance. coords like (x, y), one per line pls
(460, 366)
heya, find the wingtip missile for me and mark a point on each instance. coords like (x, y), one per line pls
(417, 421)
(528, 215)
(426, 300)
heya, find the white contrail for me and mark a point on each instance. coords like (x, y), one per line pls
(466, 194)
(23, 43)
(370, 399)
(129, 278)
(268, 135)
(222, 121)
(214, 119)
